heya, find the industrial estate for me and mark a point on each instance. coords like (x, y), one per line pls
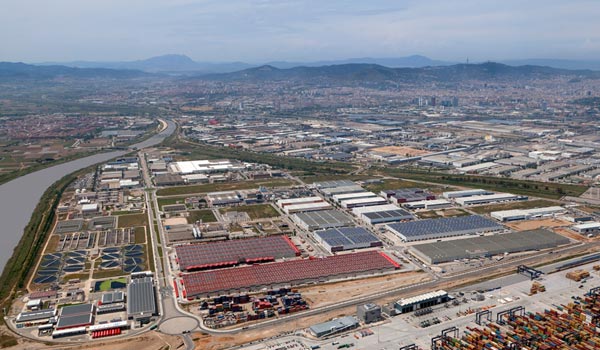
(350, 206)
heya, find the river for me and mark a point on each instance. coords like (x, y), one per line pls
(19, 197)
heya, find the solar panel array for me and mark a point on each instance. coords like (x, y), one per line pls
(288, 273)
(347, 238)
(333, 183)
(228, 253)
(389, 215)
(141, 298)
(444, 227)
(324, 219)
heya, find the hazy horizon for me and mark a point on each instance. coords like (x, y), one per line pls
(256, 31)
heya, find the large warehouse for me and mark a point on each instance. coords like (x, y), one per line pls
(203, 166)
(72, 316)
(465, 193)
(230, 253)
(362, 202)
(287, 273)
(439, 252)
(304, 204)
(334, 326)
(332, 191)
(429, 204)
(321, 220)
(333, 183)
(141, 299)
(489, 198)
(379, 214)
(346, 238)
(341, 197)
(444, 227)
(526, 214)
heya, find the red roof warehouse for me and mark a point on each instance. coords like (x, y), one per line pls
(296, 272)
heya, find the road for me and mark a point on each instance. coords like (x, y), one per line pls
(173, 319)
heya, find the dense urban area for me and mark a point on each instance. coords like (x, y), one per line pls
(350, 206)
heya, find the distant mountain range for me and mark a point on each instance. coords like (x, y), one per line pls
(372, 73)
(22, 71)
(352, 73)
(181, 64)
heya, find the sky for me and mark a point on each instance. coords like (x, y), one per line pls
(258, 31)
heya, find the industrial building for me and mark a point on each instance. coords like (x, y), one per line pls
(465, 193)
(358, 211)
(341, 197)
(443, 227)
(203, 166)
(381, 217)
(37, 315)
(587, 228)
(220, 254)
(286, 273)
(334, 326)
(362, 202)
(428, 204)
(489, 198)
(304, 204)
(141, 299)
(421, 301)
(405, 195)
(368, 313)
(72, 316)
(333, 183)
(469, 248)
(321, 220)
(332, 191)
(223, 198)
(526, 214)
(346, 238)
(306, 207)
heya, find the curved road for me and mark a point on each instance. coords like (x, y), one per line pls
(19, 197)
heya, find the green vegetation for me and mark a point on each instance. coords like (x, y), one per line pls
(523, 187)
(21, 264)
(513, 205)
(140, 235)
(328, 177)
(133, 220)
(108, 273)
(170, 201)
(191, 150)
(203, 215)
(8, 341)
(391, 184)
(259, 211)
(229, 186)
(107, 285)
(124, 212)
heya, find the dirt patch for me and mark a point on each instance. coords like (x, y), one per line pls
(318, 296)
(536, 224)
(401, 151)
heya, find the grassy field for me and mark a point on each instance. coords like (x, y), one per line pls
(529, 188)
(170, 201)
(327, 177)
(391, 184)
(133, 220)
(107, 285)
(204, 215)
(259, 211)
(108, 273)
(140, 235)
(513, 205)
(230, 186)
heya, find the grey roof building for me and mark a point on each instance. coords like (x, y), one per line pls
(334, 326)
(141, 298)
